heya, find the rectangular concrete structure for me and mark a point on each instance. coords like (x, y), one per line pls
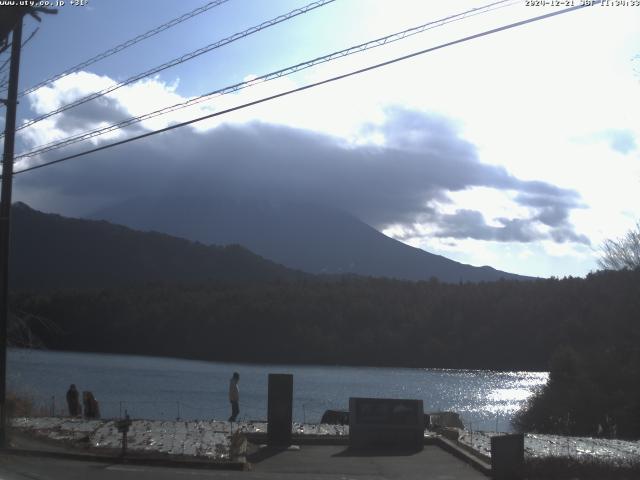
(279, 409)
(386, 422)
(507, 457)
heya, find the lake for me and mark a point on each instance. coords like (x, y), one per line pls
(169, 388)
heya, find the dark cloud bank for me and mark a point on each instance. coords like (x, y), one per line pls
(423, 160)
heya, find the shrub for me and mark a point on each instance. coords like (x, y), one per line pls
(22, 405)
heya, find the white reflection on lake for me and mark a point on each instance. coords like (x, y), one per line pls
(167, 388)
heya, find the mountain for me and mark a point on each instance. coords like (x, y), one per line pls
(51, 251)
(301, 236)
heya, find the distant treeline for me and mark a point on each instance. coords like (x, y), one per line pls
(498, 325)
(589, 327)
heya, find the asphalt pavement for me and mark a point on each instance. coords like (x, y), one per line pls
(308, 462)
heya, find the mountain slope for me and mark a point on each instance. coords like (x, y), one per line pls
(307, 237)
(51, 251)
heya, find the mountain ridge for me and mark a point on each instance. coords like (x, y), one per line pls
(299, 235)
(52, 251)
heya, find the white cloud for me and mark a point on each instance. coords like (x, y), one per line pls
(407, 179)
(531, 100)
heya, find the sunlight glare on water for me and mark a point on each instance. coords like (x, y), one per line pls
(168, 388)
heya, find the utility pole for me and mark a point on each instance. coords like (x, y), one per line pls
(5, 215)
(11, 20)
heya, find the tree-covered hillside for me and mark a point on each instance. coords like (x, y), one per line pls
(498, 325)
(51, 251)
(588, 328)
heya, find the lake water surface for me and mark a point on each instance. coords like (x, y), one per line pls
(168, 388)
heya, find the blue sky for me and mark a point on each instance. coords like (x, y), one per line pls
(519, 150)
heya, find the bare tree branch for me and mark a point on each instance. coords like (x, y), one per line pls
(622, 253)
(21, 326)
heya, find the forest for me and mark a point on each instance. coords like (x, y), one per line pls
(584, 330)
(507, 325)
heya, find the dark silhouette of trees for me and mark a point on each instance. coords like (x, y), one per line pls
(594, 385)
(585, 330)
(350, 320)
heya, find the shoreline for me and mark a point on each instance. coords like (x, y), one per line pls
(280, 364)
(211, 439)
(204, 439)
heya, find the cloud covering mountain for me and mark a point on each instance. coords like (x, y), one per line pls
(403, 178)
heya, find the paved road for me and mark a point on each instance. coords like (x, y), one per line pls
(309, 463)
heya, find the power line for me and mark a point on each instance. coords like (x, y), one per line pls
(5, 81)
(270, 76)
(311, 85)
(24, 43)
(33, 34)
(181, 59)
(124, 45)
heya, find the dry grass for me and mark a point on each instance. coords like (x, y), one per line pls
(22, 405)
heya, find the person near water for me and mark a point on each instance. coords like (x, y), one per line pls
(73, 401)
(91, 407)
(234, 396)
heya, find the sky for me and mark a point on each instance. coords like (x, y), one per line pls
(519, 150)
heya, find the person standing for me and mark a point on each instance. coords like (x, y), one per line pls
(234, 396)
(73, 401)
(91, 407)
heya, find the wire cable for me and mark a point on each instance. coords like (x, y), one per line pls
(5, 81)
(124, 45)
(25, 42)
(181, 59)
(264, 78)
(311, 85)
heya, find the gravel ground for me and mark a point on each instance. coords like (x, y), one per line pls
(539, 446)
(211, 439)
(208, 439)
